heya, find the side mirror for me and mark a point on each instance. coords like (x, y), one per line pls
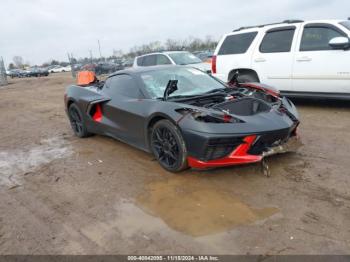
(339, 42)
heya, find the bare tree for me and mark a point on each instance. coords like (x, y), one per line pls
(11, 66)
(18, 60)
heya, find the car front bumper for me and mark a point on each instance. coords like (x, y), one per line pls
(240, 155)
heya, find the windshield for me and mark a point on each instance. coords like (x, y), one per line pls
(346, 24)
(191, 81)
(184, 58)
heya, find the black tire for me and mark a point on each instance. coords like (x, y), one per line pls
(168, 146)
(247, 78)
(77, 121)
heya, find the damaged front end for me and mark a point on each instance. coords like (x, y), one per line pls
(239, 126)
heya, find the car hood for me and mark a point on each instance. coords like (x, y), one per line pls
(206, 67)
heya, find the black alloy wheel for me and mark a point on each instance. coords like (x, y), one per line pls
(168, 146)
(77, 122)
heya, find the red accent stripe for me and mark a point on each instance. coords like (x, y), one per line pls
(237, 157)
(98, 113)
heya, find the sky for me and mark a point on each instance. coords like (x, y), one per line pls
(42, 30)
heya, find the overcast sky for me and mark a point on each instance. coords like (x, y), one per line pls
(40, 30)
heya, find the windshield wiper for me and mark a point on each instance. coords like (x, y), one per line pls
(181, 96)
(217, 90)
(170, 88)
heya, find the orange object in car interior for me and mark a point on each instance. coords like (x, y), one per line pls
(86, 77)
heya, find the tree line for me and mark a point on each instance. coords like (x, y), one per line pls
(190, 44)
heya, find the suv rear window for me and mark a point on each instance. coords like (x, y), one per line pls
(277, 41)
(237, 44)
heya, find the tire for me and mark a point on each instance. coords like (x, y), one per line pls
(77, 121)
(247, 78)
(168, 146)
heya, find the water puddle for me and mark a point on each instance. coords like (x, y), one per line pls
(188, 205)
(14, 163)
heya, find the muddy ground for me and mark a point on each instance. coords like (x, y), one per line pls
(64, 195)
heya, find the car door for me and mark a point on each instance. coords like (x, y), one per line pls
(124, 113)
(273, 59)
(317, 67)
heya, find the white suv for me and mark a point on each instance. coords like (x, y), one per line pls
(171, 58)
(299, 58)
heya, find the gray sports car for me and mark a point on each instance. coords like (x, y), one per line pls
(185, 117)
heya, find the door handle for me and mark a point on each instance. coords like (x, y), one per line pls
(304, 59)
(259, 59)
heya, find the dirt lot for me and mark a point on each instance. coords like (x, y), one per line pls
(64, 195)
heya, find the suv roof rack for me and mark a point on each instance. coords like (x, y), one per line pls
(290, 21)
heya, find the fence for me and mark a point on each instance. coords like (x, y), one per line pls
(3, 76)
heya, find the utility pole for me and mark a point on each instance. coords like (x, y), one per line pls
(99, 48)
(90, 56)
(70, 59)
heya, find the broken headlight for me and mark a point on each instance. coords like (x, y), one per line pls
(209, 117)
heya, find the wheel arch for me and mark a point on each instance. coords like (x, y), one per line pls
(243, 71)
(153, 119)
(70, 101)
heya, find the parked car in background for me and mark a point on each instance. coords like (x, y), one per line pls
(17, 73)
(37, 72)
(88, 67)
(60, 69)
(128, 63)
(205, 56)
(171, 58)
(302, 59)
(77, 67)
(107, 68)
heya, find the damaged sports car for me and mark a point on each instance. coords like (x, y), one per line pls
(185, 117)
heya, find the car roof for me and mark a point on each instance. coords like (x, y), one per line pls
(265, 27)
(163, 52)
(138, 70)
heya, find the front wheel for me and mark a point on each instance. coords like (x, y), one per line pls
(168, 146)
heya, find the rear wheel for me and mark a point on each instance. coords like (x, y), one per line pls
(77, 121)
(168, 146)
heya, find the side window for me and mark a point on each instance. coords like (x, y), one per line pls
(317, 38)
(237, 44)
(149, 60)
(277, 41)
(163, 60)
(123, 85)
(139, 61)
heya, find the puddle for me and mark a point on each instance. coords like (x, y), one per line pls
(197, 209)
(128, 221)
(14, 163)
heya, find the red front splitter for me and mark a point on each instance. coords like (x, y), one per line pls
(238, 157)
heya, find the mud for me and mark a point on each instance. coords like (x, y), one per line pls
(189, 206)
(64, 195)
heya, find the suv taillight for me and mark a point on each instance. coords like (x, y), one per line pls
(213, 64)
